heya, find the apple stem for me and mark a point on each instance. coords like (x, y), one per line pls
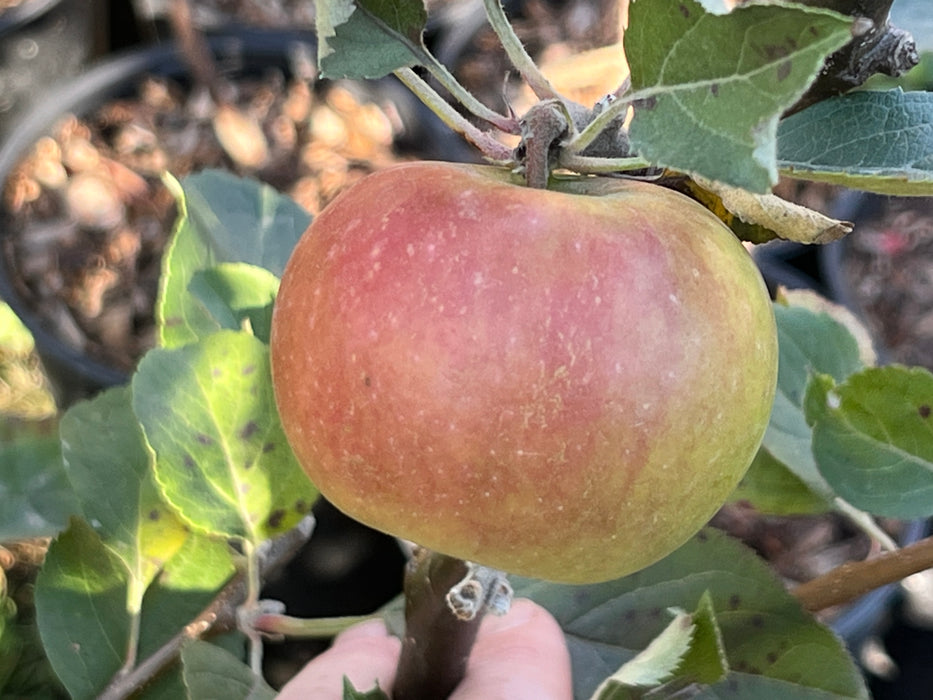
(445, 600)
(493, 149)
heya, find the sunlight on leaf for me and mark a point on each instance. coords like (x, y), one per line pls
(222, 219)
(221, 455)
(809, 342)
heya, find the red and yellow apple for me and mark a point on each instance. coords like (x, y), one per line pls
(562, 383)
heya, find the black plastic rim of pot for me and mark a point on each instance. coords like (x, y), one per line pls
(73, 373)
(25, 12)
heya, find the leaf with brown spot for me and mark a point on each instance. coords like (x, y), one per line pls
(734, 631)
(221, 456)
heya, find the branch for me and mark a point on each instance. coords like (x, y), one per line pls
(217, 618)
(876, 47)
(854, 579)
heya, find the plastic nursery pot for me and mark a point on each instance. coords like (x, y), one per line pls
(74, 372)
(41, 41)
(881, 272)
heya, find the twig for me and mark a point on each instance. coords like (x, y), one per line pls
(218, 617)
(854, 579)
(876, 47)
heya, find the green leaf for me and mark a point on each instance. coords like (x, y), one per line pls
(235, 294)
(222, 218)
(81, 595)
(351, 693)
(770, 487)
(105, 453)
(212, 672)
(36, 495)
(764, 632)
(873, 438)
(712, 87)
(875, 141)
(809, 342)
(369, 38)
(87, 629)
(705, 660)
(222, 460)
(653, 665)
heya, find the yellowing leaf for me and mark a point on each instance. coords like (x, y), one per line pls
(761, 217)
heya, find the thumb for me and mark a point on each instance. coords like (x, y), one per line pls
(518, 656)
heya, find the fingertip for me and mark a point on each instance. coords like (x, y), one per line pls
(519, 656)
(365, 653)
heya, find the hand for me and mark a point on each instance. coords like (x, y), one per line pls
(518, 656)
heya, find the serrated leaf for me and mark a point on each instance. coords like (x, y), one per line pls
(105, 453)
(222, 218)
(36, 495)
(222, 460)
(81, 598)
(873, 438)
(212, 672)
(875, 141)
(762, 217)
(705, 661)
(368, 38)
(235, 294)
(652, 665)
(764, 631)
(808, 342)
(711, 88)
(351, 693)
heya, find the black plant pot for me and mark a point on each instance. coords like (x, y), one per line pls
(73, 373)
(879, 272)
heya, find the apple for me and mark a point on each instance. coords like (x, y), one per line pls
(562, 383)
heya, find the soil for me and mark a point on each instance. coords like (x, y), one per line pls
(91, 214)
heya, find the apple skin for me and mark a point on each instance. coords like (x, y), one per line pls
(559, 384)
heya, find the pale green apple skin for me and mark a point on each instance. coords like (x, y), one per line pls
(562, 386)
